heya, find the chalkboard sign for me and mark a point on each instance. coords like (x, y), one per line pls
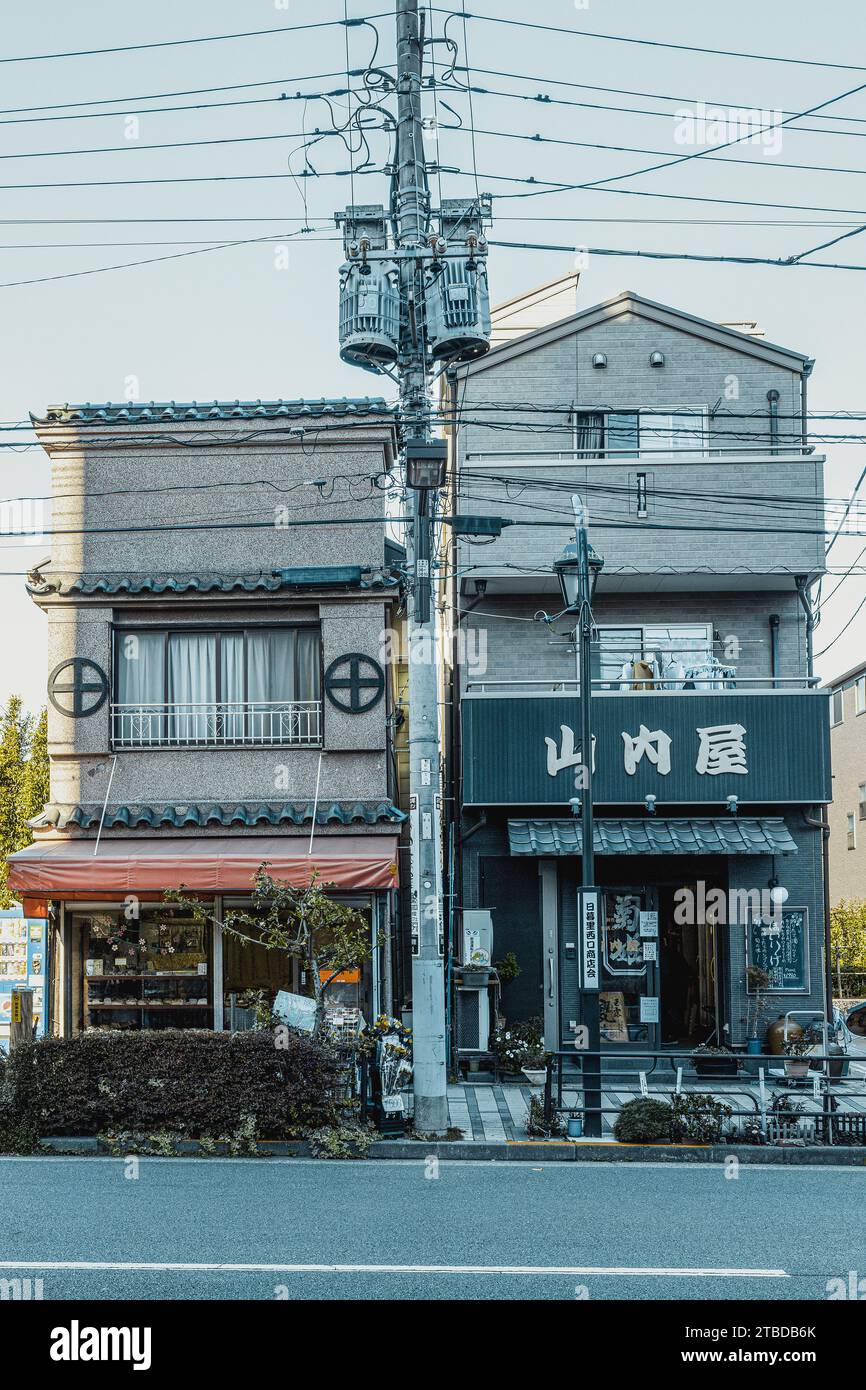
(780, 945)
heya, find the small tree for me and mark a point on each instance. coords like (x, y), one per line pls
(23, 781)
(848, 941)
(305, 924)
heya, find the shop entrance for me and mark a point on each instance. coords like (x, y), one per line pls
(689, 970)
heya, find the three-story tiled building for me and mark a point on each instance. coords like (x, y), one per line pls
(686, 441)
(218, 590)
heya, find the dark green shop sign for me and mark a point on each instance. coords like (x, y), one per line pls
(683, 748)
(779, 944)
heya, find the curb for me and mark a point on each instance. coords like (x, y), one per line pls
(524, 1151)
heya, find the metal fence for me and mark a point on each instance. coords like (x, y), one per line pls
(757, 1081)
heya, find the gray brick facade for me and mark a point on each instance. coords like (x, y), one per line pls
(724, 538)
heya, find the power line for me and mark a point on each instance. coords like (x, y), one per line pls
(153, 260)
(658, 43)
(183, 43)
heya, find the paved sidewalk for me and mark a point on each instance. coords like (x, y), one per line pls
(494, 1114)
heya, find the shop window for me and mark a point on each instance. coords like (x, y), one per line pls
(627, 975)
(253, 975)
(148, 973)
(852, 833)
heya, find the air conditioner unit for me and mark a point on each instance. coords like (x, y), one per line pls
(473, 1020)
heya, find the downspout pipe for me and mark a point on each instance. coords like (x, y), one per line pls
(773, 403)
(802, 582)
(774, 621)
(804, 409)
(823, 825)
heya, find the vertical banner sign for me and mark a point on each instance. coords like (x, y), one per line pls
(415, 877)
(440, 915)
(589, 940)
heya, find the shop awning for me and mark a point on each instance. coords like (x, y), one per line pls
(69, 869)
(733, 835)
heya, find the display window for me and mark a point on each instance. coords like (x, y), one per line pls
(628, 1001)
(254, 974)
(144, 973)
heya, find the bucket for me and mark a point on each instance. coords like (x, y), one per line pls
(575, 1127)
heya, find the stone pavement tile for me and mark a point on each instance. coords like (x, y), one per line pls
(517, 1104)
(494, 1131)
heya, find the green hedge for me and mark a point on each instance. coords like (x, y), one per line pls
(187, 1081)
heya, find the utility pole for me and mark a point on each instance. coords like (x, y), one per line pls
(578, 570)
(411, 215)
(414, 301)
(590, 899)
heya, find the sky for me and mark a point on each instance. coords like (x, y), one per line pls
(259, 320)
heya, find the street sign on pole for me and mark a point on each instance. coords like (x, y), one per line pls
(590, 971)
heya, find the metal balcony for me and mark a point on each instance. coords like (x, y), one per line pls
(228, 724)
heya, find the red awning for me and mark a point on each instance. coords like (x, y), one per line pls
(69, 869)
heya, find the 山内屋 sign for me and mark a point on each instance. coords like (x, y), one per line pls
(680, 747)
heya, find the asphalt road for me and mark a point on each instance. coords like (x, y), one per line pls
(276, 1229)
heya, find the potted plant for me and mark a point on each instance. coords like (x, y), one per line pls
(519, 1047)
(476, 971)
(714, 1061)
(797, 1058)
(534, 1068)
(757, 982)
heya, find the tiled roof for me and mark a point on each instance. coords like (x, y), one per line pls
(734, 835)
(226, 814)
(153, 412)
(336, 576)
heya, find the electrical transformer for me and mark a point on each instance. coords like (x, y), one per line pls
(369, 292)
(457, 294)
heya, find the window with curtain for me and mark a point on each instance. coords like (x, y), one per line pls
(259, 685)
(588, 428)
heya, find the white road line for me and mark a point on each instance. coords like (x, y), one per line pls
(123, 1266)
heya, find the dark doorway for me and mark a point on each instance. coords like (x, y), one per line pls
(510, 889)
(689, 970)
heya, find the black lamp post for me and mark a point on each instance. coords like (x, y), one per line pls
(578, 569)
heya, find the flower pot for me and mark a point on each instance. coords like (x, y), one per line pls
(536, 1076)
(475, 979)
(721, 1065)
(754, 1048)
(575, 1127)
(796, 1068)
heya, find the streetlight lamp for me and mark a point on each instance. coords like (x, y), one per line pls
(578, 569)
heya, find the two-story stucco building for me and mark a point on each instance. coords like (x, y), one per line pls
(218, 589)
(686, 441)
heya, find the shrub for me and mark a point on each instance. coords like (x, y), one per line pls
(644, 1121)
(697, 1118)
(182, 1081)
(342, 1141)
(535, 1124)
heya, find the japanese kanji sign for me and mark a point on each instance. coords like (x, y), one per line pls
(683, 748)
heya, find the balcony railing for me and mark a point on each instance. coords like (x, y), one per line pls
(559, 685)
(227, 724)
